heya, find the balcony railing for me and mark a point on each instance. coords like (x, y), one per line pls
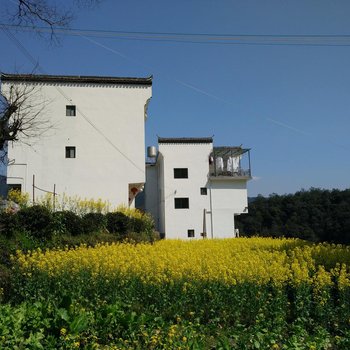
(233, 162)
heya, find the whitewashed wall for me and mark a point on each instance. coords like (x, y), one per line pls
(195, 158)
(229, 198)
(108, 133)
(225, 197)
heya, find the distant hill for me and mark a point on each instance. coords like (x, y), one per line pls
(316, 215)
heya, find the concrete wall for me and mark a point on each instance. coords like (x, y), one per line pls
(229, 198)
(107, 131)
(195, 158)
(225, 197)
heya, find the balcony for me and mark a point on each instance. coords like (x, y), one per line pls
(230, 163)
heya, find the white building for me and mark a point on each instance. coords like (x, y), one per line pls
(96, 142)
(194, 189)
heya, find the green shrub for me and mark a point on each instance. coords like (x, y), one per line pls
(67, 222)
(143, 224)
(37, 220)
(91, 240)
(118, 222)
(8, 223)
(140, 237)
(5, 282)
(94, 222)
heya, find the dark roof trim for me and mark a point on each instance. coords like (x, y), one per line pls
(185, 140)
(76, 79)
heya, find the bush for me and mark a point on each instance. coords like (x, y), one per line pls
(144, 224)
(142, 237)
(118, 222)
(8, 223)
(37, 220)
(68, 222)
(5, 282)
(94, 222)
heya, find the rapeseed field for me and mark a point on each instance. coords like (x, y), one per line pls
(247, 293)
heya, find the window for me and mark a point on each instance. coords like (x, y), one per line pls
(70, 111)
(204, 191)
(180, 173)
(190, 233)
(182, 203)
(70, 152)
(14, 187)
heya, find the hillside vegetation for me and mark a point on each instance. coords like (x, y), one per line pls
(315, 215)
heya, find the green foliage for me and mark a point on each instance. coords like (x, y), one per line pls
(113, 311)
(68, 222)
(5, 282)
(187, 316)
(37, 220)
(142, 237)
(8, 223)
(314, 215)
(143, 224)
(118, 223)
(22, 199)
(94, 222)
(138, 227)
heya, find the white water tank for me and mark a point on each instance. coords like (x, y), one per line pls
(151, 152)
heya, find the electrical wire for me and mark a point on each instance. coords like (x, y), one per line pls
(42, 71)
(196, 38)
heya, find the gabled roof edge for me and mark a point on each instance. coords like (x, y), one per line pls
(185, 140)
(76, 79)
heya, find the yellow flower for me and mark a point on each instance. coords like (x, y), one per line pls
(230, 261)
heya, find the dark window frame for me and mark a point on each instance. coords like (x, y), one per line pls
(180, 173)
(15, 187)
(204, 191)
(69, 149)
(181, 203)
(71, 111)
(190, 233)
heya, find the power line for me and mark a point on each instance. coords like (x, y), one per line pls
(41, 70)
(197, 38)
(201, 91)
(282, 124)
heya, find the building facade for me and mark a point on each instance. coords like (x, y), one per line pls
(94, 146)
(195, 190)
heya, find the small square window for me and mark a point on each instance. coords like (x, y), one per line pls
(204, 191)
(180, 173)
(190, 233)
(70, 152)
(182, 203)
(70, 111)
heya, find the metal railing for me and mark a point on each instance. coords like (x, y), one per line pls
(229, 162)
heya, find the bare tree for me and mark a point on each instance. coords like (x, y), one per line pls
(22, 117)
(32, 12)
(51, 13)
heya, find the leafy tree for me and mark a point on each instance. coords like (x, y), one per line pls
(315, 215)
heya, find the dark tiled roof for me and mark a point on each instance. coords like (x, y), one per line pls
(76, 79)
(185, 140)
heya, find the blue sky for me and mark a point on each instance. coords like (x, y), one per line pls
(289, 103)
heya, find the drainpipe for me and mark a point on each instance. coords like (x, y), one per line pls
(211, 212)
